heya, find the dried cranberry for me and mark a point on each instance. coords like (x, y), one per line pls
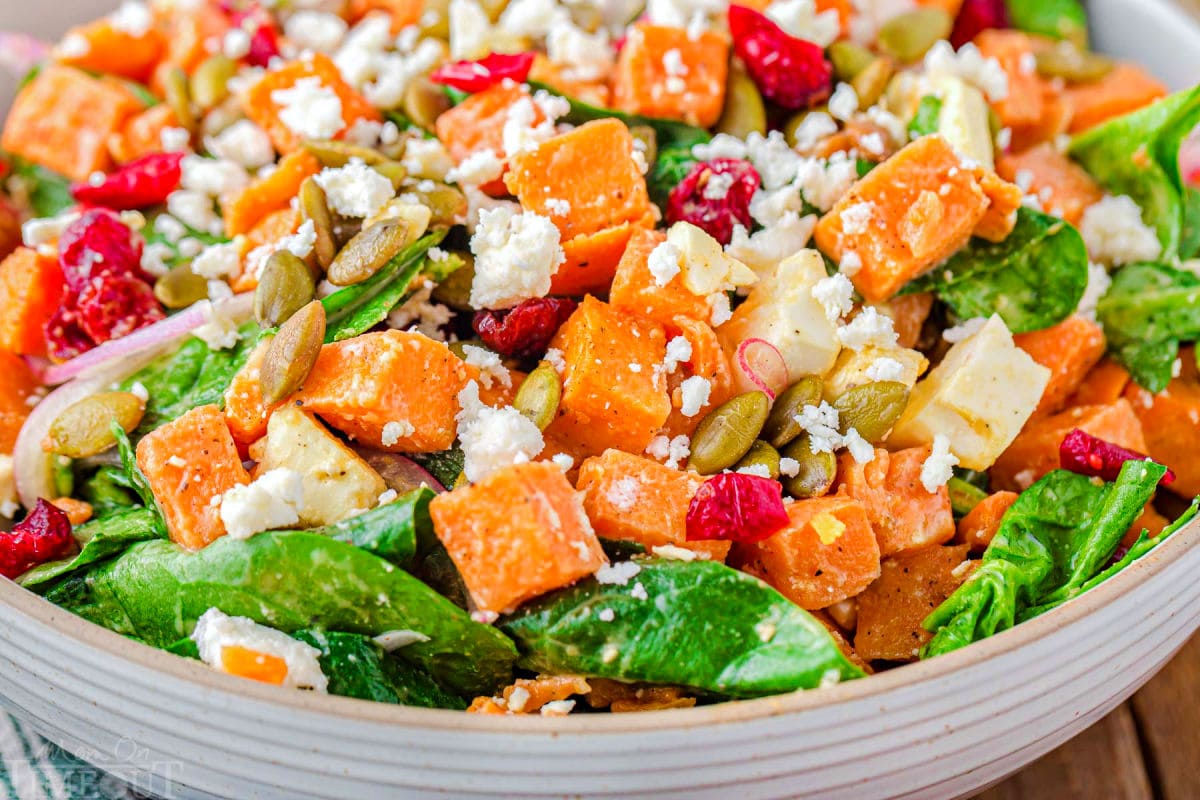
(790, 72)
(736, 508)
(98, 243)
(1083, 453)
(976, 16)
(143, 182)
(112, 306)
(524, 331)
(44, 535)
(264, 45)
(65, 339)
(475, 76)
(715, 196)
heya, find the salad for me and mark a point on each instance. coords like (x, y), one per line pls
(525, 357)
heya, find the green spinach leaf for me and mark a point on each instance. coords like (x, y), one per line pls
(108, 490)
(155, 591)
(1033, 279)
(47, 193)
(1147, 312)
(389, 531)
(925, 121)
(1058, 19)
(153, 236)
(133, 473)
(698, 624)
(445, 465)
(1052, 541)
(98, 540)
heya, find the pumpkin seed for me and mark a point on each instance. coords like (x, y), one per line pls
(314, 207)
(539, 394)
(727, 432)
(180, 287)
(816, 472)
(366, 253)
(209, 85)
(446, 203)
(761, 454)
(872, 408)
(84, 428)
(455, 290)
(393, 171)
(964, 496)
(333, 153)
(435, 21)
(849, 59)
(178, 97)
(1073, 65)
(424, 101)
(744, 111)
(908, 36)
(293, 352)
(781, 426)
(458, 348)
(649, 139)
(416, 216)
(285, 286)
(796, 120)
(872, 81)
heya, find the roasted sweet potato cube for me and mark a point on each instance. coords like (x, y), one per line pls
(1171, 424)
(31, 287)
(903, 513)
(189, 462)
(1023, 105)
(1069, 350)
(1004, 199)
(1126, 88)
(590, 259)
(634, 287)
(517, 534)
(107, 49)
(1064, 188)
(141, 134)
(18, 385)
(666, 72)
(633, 498)
(246, 412)
(979, 525)
(827, 552)
(1104, 384)
(266, 195)
(477, 123)
(613, 395)
(708, 361)
(362, 385)
(910, 586)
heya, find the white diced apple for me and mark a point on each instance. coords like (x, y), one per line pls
(963, 121)
(704, 265)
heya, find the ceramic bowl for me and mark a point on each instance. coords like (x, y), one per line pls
(939, 729)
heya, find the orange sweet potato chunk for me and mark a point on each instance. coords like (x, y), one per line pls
(1171, 424)
(360, 385)
(1104, 384)
(189, 31)
(110, 50)
(613, 395)
(262, 110)
(903, 514)
(17, 385)
(1024, 104)
(245, 411)
(665, 72)
(188, 462)
(590, 259)
(908, 314)
(1004, 199)
(63, 119)
(254, 665)
(708, 361)
(402, 12)
(826, 554)
(596, 93)
(899, 222)
(141, 134)
(979, 525)
(31, 287)
(1064, 188)
(910, 586)
(1069, 350)
(1126, 88)
(1035, 450)
(270, 194)
(517, 534)
(632, 498)
(634, 288)
(477, 123)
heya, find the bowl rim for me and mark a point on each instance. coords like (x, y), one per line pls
(15, 598)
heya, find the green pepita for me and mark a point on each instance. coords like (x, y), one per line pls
(727, 432)
(180, 287)
(424, 101)
(179, 98)
(368, 252)
(314, 207)
(210, 82)
(761, 455)
(393, 171)
(816, 472)
(1073, 65)
(744, 111)
(963, 496)
(333, 153)
(539, 395)
(908, 36)
(648, 139)
(849, 59)
(781, 426)
(872, 408)
(285, 286)
(455, 291)
(85, 428)
(872, 81)
(293, 352)
(446, 203)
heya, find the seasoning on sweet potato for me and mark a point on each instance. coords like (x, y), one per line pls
(188, 462)
(1126, 88)
(517, 534)
(708, 361)
(636, 499)
(270, 194)
(17, 385)
(634, 287)
(613, 395)
(245, 411)
(31, 288)
(63, 118)
(903, 513)
(1171, 424)
(390, 378)
(910, 586)
(592, 258)
(1064, 188)
(1035, 450)
(1104, 384)
(1069, 350)
(669, 73)
(827, 553)
(263, 110)
(979, 525)
(102, 47)
(141, 134)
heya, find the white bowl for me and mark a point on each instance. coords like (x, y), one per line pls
(938, 729)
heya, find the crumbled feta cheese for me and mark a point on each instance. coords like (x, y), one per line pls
(515, 257)
(388, 496)
(554, 357)
(520, 132)
(619, 573)
(396, 430)
(216, 631)
(679, 351)
(723, 145)
(844, 103)
(273, 500)
(789, 467)
(835, 294)
(869, 327)
(718, 185)
(236, 44)
(557, 708)
(563, 461)
(773, 157)
(623, 494)
(856, 219)
(355, 190)
(765, 248)
(219, 260)
(580, 56)
(970, 65)
(391, 641)
(418, 313)
(638, 592)
(672, 452)
(964, 330)
(46, 230)
(493, 438)
(694, 392)
(315, 30)
(758, 470)
(885, 369)
(1115, 233)
(939, 466)
(720, 310)
(606, 615)
(175, 140)
(799, 18)
(814, 128)
(851, 263)
(426, 158)
(862, 451)
(139, 390)
(663, 263)
(132, 17)
(211, 176)
(221, 330)
(820, 422)
(530, 18)
(1097, 286)
(243, 143)
(9, 505)
(491, 368)
(310, 109)
(673, 552)
(480, 167)
(73, 46)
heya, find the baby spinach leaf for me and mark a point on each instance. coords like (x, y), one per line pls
(1058, 19)
(98, 540)
(108, 490)
(357, 667)
(670, 167)
(133, 473)
(47, 193)
(155, 591)
(1052, 541)
(1033, 279)
(925, 121)
(1138, 155)
(445, 465)
(356, 309)
(390, 530)
(153, 236)
(699, 624)
(1147, 312)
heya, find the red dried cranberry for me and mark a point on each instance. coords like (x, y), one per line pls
(715, 196)
(65, 339)
(790, 72)
(145, 181)
(113, 306)
(976, 16)
(475, 76)
(264, 45)
(736, 508)
(98, 243)
(524, 331)
(1083, 453)
(44, 535)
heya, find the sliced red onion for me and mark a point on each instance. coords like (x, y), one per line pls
(399, 472)
(33, 466)
(20, 52)
(759, 366)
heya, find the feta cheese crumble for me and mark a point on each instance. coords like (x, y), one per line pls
(619, 573)
(663, 263)
(516, 254)
(274, 500)
(1115, 234)
(623, 494)
(355, 190)
(482, 166)
(396, 430)
(694, 392)
(869, 327)
(835, 294)
(310, 109)
(216, 631)
(493, 438)
(820, 422)
(491, 368)
(939, 466)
